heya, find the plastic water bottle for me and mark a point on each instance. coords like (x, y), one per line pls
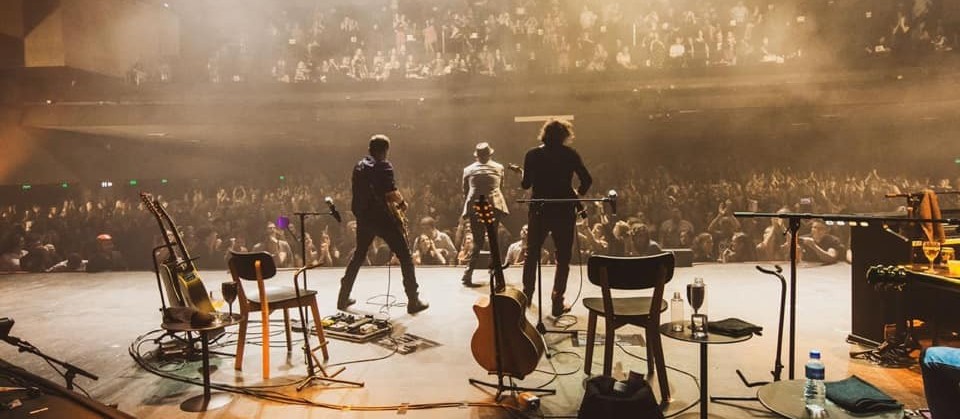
(815, 392)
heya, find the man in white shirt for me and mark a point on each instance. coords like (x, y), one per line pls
(482, 178)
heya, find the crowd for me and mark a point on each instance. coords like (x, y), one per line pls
(396, 39)
(657, 210)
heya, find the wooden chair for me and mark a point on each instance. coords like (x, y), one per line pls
(259, 266)
(629, 273)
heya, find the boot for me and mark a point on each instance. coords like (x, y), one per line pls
(467, 280)
(416, 305)
(558, 308)
(344, 300)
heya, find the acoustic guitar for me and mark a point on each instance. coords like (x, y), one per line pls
(178, 268)
(505, 343)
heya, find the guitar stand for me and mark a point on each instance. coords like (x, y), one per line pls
(895, 351)
(777, 363)
(500, 386)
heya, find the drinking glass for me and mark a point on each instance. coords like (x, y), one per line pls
(946, 255)
(696, 295)
(931, 249)
(229, 291)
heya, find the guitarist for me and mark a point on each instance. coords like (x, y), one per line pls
(375, 195)
(482, 178)
(548, 170)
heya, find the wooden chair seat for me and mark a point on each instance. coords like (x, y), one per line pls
(280, 296)
(624, 307)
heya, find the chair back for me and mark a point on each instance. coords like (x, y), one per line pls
(243, 265)
(631, 272)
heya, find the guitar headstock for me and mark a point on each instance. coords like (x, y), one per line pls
(149, 202)
(484, 211)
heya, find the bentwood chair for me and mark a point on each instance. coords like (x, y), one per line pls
(259, 266)
(629, 273)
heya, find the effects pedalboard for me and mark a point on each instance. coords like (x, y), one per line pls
(355, 328)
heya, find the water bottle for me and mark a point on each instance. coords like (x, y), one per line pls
(676, 312)
(814, 391)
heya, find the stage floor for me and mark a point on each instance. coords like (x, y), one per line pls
(91, 320)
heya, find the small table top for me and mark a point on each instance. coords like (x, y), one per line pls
(222, 320)
(786, 399)
(686, 335)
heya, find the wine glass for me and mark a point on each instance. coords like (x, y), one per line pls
(696, 294)
(229, 291)
(931, 249)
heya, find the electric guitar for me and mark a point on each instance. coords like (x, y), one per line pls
(505, 343)
(397, 216)
(178, 268)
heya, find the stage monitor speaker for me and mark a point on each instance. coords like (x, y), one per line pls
(683, 257)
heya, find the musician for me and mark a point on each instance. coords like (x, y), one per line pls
(483, 177)
(374, 194)
(549, 169)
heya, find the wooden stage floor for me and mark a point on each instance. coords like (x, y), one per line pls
(91, 320)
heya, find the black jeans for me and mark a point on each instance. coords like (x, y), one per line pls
(367, 229)
(479, 230)
(558, 220)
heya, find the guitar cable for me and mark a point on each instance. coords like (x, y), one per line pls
(264, 392)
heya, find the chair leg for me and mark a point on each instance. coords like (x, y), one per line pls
(608, 342)
(318, 324)
(651, 346)
(265, 331)
(591, 339)
(661, 369)
(241, 343)
(286, 329)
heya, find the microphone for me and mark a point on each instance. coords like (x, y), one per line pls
(333, 209)
(612, 199)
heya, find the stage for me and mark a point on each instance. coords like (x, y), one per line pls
(91, 319)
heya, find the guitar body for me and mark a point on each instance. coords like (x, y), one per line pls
(505, 343)
(193, 291)
(520, 345)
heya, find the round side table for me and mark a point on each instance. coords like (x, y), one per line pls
(785, 398)
(206, 401)
(712, 339)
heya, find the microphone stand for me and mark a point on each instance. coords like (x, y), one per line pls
(540, 202)
(302, 311)
(71, 370)
(793, 227)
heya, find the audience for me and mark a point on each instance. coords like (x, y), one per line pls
(215, 219)
(336, 41)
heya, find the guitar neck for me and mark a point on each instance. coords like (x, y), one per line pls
(151, 206)
(186, 261)
(495, 258)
